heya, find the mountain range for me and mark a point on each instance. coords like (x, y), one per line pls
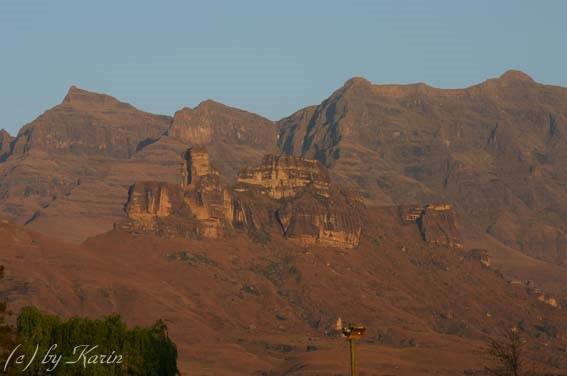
(434, 216)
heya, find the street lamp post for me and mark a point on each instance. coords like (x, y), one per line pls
(352, 333)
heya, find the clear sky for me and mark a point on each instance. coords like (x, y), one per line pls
(269, 57)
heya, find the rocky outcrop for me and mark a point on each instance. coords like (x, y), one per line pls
(289, 196)
(479, 255)
(150, 200)
(210, 201)
(551, 301)
(438, 226)
(199, 206)
(5, 144)
(436, 223)
(331, 221)
(284, 176)
(306, 207)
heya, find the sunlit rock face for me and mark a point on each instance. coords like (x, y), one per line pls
(307, 208)
(148, 201)
(199, 206)
(288, 196)
(283, 176)
(208, 199)
(196, 164)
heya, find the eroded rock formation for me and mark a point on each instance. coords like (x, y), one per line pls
(150, 200)
(306, 207)
(283, 176)
(290, 196)
(436, 223)
(479, 255)
(199, 206)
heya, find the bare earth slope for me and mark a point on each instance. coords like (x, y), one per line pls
(237, 307)
(497, 150)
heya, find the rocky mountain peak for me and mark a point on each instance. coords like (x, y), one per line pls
(80, 97)
(5, 141)
(515, 75)
(4, 134)
(357, 81)
(208, 104)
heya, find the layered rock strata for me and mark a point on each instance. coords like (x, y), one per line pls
(289, 196)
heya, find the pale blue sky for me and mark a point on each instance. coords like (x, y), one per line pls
(269, 57)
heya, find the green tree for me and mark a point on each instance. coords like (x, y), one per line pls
(6, 331)
(144, 350)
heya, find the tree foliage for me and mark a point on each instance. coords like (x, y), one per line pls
(144, 350)
(6, 331)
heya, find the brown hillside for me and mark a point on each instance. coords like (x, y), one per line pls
(237, 307)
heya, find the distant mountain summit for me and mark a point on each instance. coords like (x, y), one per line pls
(495, 149)
(516, 75)
(90, 123)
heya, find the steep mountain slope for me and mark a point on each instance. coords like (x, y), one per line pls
(497, 150)
(67, 173)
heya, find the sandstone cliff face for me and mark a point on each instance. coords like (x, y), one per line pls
(148, 201)
(199, 206)
(332, 221)
(306, 207)
(291, 197)
(497, 150)
(436, 223)
(207, 197)
(285, 176)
